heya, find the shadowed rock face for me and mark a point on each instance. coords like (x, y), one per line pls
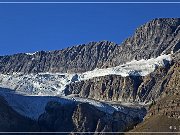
(149, 40)
(11, 121)
(83, 118)
(57, 118)
(78, 117)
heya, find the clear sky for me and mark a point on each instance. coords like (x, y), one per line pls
(35, 27)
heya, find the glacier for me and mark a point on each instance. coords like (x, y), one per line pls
(33, 106)
(54, 84)
(28, 94)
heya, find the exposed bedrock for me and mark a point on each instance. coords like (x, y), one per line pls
(117, 88)
(84, 118)
(149, 40)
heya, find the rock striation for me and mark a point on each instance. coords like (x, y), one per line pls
(84, 118)
(118, 88)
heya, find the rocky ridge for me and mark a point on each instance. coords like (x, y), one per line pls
(150, 40)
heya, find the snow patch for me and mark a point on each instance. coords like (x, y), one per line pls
(31, 53)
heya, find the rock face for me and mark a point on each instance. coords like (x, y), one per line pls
(164, 114)
(117, 88)
(150, 40)
(70, 118)
(112, 88)
(75, 59)
(65, 116)
(56, 118)
(169, 102)
(83, 118)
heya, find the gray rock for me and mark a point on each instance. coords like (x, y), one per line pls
(150, 40)
(84, 117)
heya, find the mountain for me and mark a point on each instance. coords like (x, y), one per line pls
(99, 86)
(150, 40)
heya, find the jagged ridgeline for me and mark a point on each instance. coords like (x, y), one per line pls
(149, 40)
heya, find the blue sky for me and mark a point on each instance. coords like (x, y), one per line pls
(35, 27)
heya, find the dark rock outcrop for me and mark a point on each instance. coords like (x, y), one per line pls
(11, 121)
(69, 118)
(84, 118)
(57, 118)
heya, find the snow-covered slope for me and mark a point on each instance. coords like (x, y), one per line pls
(36, 84)
(53, 84)
(34, 106)
(133, 68)
(31, 53)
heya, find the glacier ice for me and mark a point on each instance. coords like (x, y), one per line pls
(54, 84)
